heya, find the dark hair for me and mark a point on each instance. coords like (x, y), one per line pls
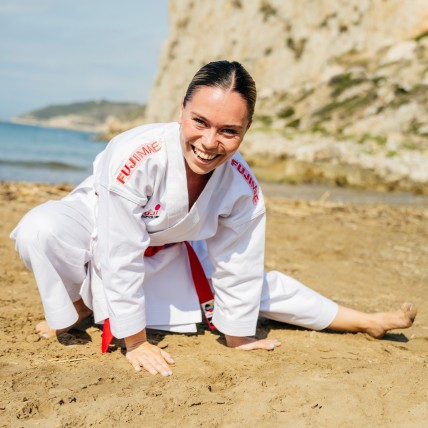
(225, 75)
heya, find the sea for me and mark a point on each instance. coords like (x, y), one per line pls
(46, 155)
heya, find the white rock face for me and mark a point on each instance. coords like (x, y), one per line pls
(354, 68)
(283, 43)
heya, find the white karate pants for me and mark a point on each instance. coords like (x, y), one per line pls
(53, 240)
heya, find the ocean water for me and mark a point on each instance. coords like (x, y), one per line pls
(47, 155)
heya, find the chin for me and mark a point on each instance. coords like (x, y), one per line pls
(202, 171)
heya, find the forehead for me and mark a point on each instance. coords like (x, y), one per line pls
(218, 104)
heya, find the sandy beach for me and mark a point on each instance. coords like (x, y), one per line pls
(369, 257)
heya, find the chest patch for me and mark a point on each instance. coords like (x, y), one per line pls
(135, 160)
(154, 213)
(248, 178)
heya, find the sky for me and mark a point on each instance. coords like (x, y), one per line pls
(61, 51)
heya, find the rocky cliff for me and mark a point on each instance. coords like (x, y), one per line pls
(342, 83)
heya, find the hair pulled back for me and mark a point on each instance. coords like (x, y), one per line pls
(225, 75)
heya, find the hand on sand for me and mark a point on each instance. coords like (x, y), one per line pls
(250, 343)
(151, 358)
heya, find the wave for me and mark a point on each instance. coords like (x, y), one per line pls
(43, 165)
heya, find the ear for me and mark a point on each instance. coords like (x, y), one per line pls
(249, 125)
(180, 115)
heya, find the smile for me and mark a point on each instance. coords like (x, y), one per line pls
(202, 155)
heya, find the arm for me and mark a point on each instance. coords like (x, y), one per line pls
(123, 238)
(237, 254)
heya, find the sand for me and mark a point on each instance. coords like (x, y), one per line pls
(367, 257)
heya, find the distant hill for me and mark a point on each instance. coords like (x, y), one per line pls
(98, 116)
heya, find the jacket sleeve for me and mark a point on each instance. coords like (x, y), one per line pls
(237, 255)
(122, 241)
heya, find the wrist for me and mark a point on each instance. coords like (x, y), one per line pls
(234, 341)
(135, 340)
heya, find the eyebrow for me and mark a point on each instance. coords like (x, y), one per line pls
(200, 116)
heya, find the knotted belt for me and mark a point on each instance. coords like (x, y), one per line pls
(202, 286)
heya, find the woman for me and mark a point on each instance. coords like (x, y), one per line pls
(158, 186)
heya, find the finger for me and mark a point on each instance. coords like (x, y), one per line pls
(152, 359)
(249, 346)
(149, 367)
(167, 357)
(156, 363)
(162, 368)
(136, 366)
(139, 361)
(134, 362)
(268, 344)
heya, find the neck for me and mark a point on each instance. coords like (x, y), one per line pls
(195, 184)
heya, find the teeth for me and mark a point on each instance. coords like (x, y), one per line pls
(203, 155)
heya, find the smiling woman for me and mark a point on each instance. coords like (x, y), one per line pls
(213, 125)
(120, 247)
(215, 115)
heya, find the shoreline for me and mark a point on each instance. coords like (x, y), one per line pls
(292, 192)
(346, 195)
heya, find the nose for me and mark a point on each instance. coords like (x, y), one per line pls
(210, 141)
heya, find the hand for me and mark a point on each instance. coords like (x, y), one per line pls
(141, 353)
(250, 343)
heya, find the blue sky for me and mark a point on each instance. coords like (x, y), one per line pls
(58, 51)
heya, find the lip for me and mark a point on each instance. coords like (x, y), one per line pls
(200, 159)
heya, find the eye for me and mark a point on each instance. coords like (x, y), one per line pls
(230, 132)
(198, 121)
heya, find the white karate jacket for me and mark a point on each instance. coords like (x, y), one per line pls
(140, 180)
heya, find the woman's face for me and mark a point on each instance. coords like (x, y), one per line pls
(213, 124)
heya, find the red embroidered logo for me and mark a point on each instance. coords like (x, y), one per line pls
(152, 213)
(248, 178)
(135, 160)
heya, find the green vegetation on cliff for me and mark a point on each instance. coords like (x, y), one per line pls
(97, 110)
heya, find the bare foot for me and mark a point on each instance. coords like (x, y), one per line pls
(43, 329)
(385, 321)
(62, 335)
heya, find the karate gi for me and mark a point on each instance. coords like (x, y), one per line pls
(91, 245)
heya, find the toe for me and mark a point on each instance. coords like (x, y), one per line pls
(409, 310)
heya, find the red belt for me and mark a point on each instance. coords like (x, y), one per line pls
(202, 286)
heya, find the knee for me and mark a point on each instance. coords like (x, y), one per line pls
(34, 232)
